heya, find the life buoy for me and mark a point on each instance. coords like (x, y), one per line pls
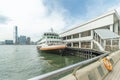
(107, 64)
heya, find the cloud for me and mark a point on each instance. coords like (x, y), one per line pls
(116, 7)
(3, 19)
(33, 17)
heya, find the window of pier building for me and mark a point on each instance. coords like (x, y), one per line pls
(68, 37)
(76, 44)
(85, 44)
(119, 28)
(86, 33)
(115, 45)
(112, 45)
(104, 27)
(68, 44)
(115, 42)
(76, 35)
(64, 38)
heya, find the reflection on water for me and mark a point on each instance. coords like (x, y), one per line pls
(23, 62)
(57, 61)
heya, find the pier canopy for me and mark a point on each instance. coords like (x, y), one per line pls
(106, 34)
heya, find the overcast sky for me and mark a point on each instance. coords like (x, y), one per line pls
(34, 17)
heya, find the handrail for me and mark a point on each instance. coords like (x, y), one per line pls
(55, 73)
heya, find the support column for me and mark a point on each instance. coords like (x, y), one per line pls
(119, 43)
(92, 33)
(71, 36)
(66, 38)
(97, 39)
(111, 43)
(91, 44)
(111, 27)
(116, 27)
(79, 35)
(104, 44)
(72, 44)
(101, 42)
(79, 44)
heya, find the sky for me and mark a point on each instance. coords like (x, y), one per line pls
(34, 17)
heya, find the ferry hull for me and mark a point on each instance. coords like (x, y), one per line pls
(52, 49)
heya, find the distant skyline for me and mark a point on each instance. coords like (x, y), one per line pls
(34, 17)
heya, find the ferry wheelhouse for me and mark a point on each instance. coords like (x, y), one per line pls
(51, 41)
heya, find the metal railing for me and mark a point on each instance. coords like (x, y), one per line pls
(58, 72)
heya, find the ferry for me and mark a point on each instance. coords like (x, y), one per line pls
(51, 41)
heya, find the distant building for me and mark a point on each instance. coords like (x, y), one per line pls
(22, 40)
(2, 42)
(9, 42)
(16, 35)
(28, 41)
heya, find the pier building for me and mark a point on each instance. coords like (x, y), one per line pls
(101, 33)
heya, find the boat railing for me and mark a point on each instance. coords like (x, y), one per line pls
(50, 75)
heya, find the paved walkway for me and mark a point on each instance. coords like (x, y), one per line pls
(115, 74)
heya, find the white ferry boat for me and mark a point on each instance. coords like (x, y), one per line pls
(51, 41)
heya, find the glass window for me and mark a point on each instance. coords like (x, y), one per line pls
(76, 35)
(86, 33)
(68, 37)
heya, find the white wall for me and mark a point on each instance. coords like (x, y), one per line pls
(89, 38)
(100, 22)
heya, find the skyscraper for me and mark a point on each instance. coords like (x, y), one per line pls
(16, 35)
(28, 41)
(22, 40)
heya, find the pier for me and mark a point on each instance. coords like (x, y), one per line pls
(84, 53)
(96, 40)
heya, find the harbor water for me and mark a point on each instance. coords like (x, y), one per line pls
(21, 62)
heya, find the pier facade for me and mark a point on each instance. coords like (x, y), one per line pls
(101, 33)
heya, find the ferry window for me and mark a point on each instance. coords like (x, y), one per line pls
(76, 35)
(86, 33)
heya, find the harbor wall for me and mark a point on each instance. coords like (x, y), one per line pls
(81, 52)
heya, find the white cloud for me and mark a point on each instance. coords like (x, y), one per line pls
(31, 17)
(116, 7)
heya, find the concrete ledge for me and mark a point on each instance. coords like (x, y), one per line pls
(94, 71)
(115, 57)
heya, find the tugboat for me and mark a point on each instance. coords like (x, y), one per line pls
(51, 42)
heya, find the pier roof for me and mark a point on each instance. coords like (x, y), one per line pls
(105, 19)
(106, 34)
